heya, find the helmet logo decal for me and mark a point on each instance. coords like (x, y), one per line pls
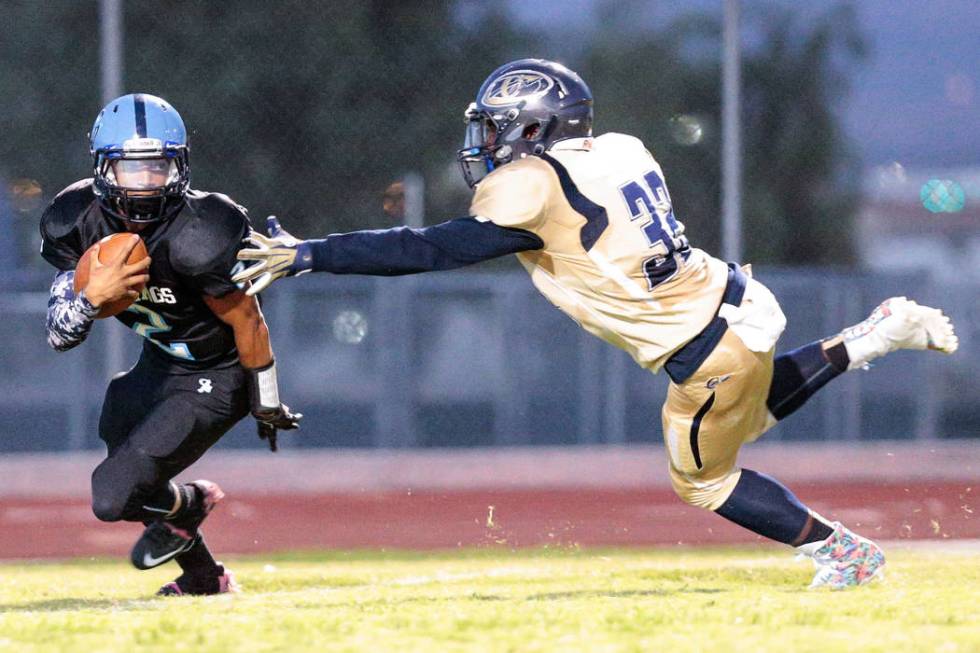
(516, 86)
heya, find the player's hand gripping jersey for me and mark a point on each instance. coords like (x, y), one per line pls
(615, 258)
(192, 253)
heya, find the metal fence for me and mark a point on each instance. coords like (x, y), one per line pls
(481, 358)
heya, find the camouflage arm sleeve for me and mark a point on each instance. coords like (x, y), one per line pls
(69, 315)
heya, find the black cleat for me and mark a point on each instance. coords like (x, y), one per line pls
(162, 541)
(221, 583)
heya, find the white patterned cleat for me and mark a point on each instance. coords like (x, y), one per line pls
(845, 559)
(898, 323)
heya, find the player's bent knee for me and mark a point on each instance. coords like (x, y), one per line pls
(108, 508)
(696, 499)
(108, 503)
(705, 493)
(117, 483)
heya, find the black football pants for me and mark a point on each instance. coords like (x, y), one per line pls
(156, 421)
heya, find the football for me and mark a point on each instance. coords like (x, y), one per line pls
(109, 248)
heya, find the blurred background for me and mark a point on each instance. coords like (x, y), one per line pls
(833, 145)
(859, 167)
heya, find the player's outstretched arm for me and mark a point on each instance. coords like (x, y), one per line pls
(386, 252)
(243, 315)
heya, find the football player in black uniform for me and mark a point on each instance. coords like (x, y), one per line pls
(206, 359)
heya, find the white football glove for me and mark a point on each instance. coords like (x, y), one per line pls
(277, 255)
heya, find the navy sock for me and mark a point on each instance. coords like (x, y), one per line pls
(765, 506)
(797, 375)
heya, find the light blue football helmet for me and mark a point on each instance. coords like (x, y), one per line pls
(140, 137)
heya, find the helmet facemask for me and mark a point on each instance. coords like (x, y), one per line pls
(493, 140)
(481, 154)
(142, 182)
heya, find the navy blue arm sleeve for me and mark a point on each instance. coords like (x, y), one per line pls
(445, 246)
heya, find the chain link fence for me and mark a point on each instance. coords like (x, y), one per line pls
(483, 359)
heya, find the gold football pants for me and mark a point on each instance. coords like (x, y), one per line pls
(708, 417)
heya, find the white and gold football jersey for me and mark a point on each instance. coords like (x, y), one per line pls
(615, 258)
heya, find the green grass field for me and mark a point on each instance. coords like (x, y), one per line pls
(498, 600)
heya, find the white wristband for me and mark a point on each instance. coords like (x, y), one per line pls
(265, 386)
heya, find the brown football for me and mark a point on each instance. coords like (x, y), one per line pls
(109, 248)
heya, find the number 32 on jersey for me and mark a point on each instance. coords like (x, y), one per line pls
(648, 204)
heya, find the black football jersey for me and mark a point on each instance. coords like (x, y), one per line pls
(193, 253)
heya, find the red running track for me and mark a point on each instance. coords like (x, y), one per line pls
(38, 527)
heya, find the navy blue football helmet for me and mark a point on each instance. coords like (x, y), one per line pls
(521, 110)
(140, 154)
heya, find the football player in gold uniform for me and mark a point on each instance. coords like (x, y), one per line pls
(591, 220)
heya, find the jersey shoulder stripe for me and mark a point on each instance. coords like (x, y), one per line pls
(596, 218)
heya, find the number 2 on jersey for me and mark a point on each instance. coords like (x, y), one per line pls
(649, 202)
(155, 324)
